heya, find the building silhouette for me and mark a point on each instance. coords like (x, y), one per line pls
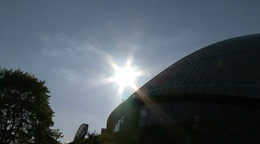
(209, 96)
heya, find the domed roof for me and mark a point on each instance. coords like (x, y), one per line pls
(230, 67)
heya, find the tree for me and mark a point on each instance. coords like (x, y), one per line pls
(25, 113)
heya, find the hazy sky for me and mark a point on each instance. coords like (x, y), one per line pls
(68, 43)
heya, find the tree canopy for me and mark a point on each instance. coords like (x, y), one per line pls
(25, 116)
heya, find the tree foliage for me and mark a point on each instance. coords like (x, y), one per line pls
(25, 116)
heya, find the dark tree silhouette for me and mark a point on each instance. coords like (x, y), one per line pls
(25, 113)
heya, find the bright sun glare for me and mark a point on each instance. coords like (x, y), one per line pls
(125, 76)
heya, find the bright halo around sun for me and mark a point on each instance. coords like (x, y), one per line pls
(125, 76)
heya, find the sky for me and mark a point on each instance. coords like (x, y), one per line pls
(70, 44)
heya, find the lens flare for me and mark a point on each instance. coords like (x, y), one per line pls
(125, 76)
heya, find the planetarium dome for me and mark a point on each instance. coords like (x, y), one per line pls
(217, 88)
(230, 67)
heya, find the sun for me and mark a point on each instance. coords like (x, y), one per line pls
(125, 76)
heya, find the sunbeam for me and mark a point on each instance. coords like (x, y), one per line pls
(124, 76)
